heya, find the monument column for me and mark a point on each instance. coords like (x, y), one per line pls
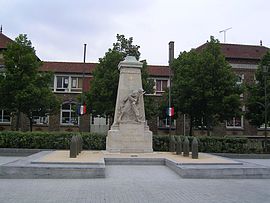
(129, 132)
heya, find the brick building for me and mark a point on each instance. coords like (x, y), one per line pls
(71, 79)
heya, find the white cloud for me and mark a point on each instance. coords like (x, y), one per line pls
(58, 29)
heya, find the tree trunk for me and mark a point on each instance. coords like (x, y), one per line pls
(18, 120)
(31, 124)
(208, 131)
(191, 126)
(208, 128)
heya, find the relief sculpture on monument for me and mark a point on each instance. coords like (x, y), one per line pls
(130, 108)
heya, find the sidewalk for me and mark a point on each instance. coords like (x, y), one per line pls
(135, 184)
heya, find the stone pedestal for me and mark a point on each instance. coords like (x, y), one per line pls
(129, 132)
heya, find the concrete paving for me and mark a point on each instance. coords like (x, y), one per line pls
(135, 184)
(262, 162)
(93, 164)
(8, 159)
(62, 156)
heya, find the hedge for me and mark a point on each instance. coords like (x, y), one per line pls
(49, 140)
(93, 141)
(211, 144)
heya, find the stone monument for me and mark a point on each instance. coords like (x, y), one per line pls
(129, 131)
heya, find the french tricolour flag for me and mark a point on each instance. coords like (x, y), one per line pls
(81, 109)
(170, 111)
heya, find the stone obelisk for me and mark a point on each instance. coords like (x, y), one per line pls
(129, 132)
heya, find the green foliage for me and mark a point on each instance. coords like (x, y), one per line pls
(23, 88)
(256, 96)
(103, 92)
(125, 47)
(49, 140)
(161, 142)
(214, 144)
(93, 141)
(204, 86)
(102, 95)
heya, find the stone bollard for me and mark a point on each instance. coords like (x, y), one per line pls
(77, 144)
(73, 147)
(173, 144)
(80, 143)
(178, 145)
(195, 148)
(186, 147)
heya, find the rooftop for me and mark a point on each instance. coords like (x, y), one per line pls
(4, 40)
(68, 67)
(240, 51)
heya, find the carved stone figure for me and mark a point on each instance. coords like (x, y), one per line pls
(130, 107)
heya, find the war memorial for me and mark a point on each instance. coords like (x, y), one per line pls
(129, 142)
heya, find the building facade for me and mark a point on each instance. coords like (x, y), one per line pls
(71, 79)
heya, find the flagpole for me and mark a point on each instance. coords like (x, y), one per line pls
(82, 111)
(171, 57)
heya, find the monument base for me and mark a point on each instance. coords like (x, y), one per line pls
(129, 138)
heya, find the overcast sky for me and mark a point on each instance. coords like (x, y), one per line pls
(59, 28)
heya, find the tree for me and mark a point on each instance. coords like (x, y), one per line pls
(23, 89)
(103, 88)
(256, 96)
(204, 86)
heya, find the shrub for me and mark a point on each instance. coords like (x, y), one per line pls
(49, 140)
(93, 141)
(214, 144)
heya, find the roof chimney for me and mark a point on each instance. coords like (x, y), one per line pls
(1, 29)
(84, 53)
(171, 51)
(261, 42)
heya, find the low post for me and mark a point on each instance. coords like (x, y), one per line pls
(77, 144)
(195, 148)
(173, 141)
(178, 145)
(73, 148)
(186, 147)
(81, 143)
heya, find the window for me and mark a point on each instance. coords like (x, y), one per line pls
(41, 120)
(76, 84)
(235, 122)
(62, 83)
(68, 114)
(68, 84)
(240, 79)
(160, 86)
(4, 116)
(263, 126)
(165, 123)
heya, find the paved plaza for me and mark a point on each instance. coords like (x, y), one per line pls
(135, 184)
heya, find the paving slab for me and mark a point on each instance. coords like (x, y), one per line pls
(27, 168)
(98, 156)
(92, 164)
